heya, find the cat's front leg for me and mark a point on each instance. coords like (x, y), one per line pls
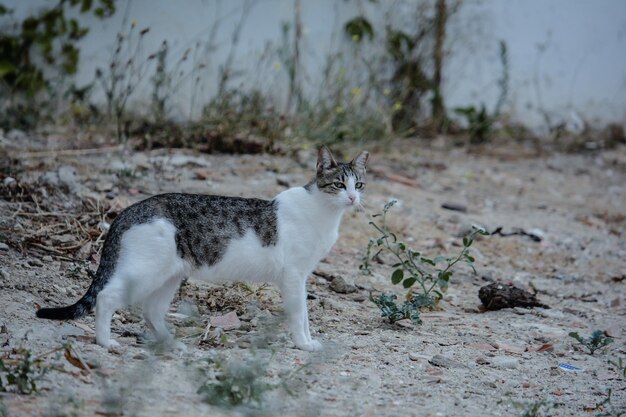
(293, 291)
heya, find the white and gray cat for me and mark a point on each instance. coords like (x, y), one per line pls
(154, 243)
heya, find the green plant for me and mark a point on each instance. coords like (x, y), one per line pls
(408, 310)
(236, 382)
(479, 121)
(608, 408)
(596, 341)
(123, 74)
(425, 278)
(533, 409)
(21, 372)
(619, 364)
(38, 51)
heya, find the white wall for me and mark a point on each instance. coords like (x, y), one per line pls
(565, 55)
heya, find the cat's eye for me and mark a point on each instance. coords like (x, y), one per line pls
(339, 185)
(359, 185)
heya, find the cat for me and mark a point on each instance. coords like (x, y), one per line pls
(153, 244)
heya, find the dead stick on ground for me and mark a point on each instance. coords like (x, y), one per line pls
(69, 152)
(47, 248)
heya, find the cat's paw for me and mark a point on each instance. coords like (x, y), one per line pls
(109, 344)
(178, 346)
(311, 346)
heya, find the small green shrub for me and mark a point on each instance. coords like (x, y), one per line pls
(608, 409)
(596, 341)
(21, 372)
(409, 310)
(425, 278)
(534, 409)
(235, 383)
(36, 53)
(479, 122)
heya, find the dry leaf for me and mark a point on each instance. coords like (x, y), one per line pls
(73, 358)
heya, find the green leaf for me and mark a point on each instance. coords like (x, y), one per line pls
(85, 6)
(401, 246)
(358, 28)
(6, 68)
(469, 258)
(576, 336)
(397, 276)
(408, 283)
(440, 258)
(465, 241)
(444, 276)
(427, 261)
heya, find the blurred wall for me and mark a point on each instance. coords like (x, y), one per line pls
(567, 57)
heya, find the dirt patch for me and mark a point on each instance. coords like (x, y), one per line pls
(461, 361)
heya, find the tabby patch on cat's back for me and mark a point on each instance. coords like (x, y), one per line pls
(153, 244)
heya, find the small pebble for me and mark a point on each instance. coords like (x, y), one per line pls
(505, 362)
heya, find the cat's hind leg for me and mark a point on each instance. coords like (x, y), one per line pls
(155, 307)
(109, 300)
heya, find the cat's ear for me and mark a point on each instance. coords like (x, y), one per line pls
(325, 160)
(361, 159)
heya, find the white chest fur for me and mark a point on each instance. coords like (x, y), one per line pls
(308, 227)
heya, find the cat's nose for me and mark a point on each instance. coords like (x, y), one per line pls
(352, 198)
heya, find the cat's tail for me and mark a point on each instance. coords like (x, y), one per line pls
(86, 304)
(76, 310)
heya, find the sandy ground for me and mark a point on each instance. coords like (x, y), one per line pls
(500, 363)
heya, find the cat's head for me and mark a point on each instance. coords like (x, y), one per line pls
(341, 183)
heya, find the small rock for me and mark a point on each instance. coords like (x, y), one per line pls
(282, 182)
(9, 182)
(104, 186)
(339, 285)
(226, 322)
(416, 356)
(482, 346)
(406, 323)
(359, 298)
(68, 177)
(202, 173)
(444, 362)
(85, 250)
(329, 304)
(510, 348)
(244, 344)
(504, 362)
(4, 246)
(551, 314)
(180, 160)
(35, 262)
(482, 361)
(497, 296)
(454, 207)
